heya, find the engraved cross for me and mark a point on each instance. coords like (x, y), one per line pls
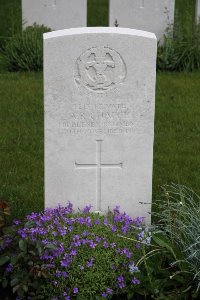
(98, 166)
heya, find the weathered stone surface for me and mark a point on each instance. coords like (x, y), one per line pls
(150, 15)
(99, 118)
(56, 14)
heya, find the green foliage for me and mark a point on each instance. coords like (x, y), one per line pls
(24, 51)
(179, 219)
(180, 52)
(161, 278)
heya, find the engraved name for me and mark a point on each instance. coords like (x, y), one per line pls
(98, 118)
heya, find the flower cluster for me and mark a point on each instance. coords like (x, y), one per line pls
(75, 250)
(145, 236)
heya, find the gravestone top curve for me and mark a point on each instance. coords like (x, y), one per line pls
(96, 30)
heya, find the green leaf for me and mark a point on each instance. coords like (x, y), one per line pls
(50, 246)
(23, 245)
(130, 295)
(39, 247)
(8, 229)
(25, 288)
(29, 224)
(4, 283)
(164, 242)
(4, 260)
(14, 281)
(16, 288)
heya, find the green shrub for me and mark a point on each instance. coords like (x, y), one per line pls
(59, 254)
(24, 51)
(180, 50)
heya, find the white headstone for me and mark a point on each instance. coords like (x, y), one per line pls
(198, 11)
(99, 118)
(150, 15)
(56, 14)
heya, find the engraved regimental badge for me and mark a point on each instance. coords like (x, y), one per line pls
(99, 69)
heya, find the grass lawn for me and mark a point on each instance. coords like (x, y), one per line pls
(176, 148)
(21, 141)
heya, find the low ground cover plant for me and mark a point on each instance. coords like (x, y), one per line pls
(180, 50)
(62, 254)
(59, 254)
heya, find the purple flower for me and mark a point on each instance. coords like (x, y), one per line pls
(141, 236)
(137, 245)
(9, 268)
(121, 285)
(120, 278)
(45, 242)
(121, 282)
(66, 297)
(88, 222)
(91, 244)
(109, 291)
(113, 228)
(75, 290)
(127, 253)
(66, 261)
(104, 295)
(16, 222)
(23, 232)
(112, 245)
(59, 274)
(98, 239)
(81, 220)
(73, 252)
(62, 231)
(84, 233)
(70, 228)
(106, 222)
(97, 222)
(135, 281)
(105, 245)
(125, 229)
(116, 209)
(138, 221)
(7, 241)
(86, 209)
(89, 263)
(133, 268)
